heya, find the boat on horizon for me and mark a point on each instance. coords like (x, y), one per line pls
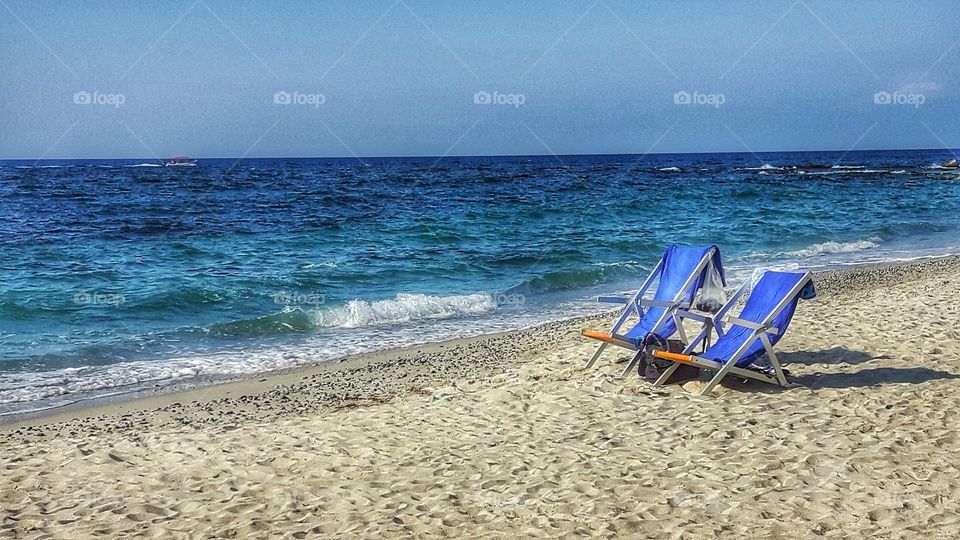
(181, 161)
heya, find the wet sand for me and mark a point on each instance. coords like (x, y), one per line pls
(506, 435)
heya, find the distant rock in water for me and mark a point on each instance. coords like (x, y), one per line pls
(952, 164)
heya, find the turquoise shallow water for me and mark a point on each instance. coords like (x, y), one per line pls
(122, 275)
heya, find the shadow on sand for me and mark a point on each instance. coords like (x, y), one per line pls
(836, 355)
(872, 377)
(847, 379)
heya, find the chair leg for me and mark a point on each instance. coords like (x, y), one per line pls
(774, 361)
(633, 363)
(719, 376)
(678, 322)
(728, 365)
(596, 355)
(665, 376)
(713, 382)
(781, 378)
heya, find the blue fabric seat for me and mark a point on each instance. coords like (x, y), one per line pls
(766, 295)
(743, 339)
(679, 275)
(679, 263)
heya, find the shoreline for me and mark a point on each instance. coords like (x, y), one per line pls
(427, 363)
(157, 390)
(427, 356)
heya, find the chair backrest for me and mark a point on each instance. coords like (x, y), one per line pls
(775, 293)
(771, 290)
(678, 264)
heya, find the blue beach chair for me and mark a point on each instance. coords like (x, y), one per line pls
(681, 273)
(742, 340)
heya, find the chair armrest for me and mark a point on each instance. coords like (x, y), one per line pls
(658, 303)
(609, 337)
(613, 299)
(752, 325)
(684, 314)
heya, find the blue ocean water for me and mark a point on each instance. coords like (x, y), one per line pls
(120, 275)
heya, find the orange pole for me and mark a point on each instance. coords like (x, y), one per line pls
(685, 358)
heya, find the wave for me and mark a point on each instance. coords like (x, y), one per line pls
(834, 170)
(632, 265)
(24, 392)
(818, 169)
(566, 280)
(183, 298)
(669, 169)
(25, 310)
(145, 165)
(67, 386)
(830, 248)
(288, 321)
(404, 308)
(326, 264)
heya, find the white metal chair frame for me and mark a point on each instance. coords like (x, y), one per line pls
(638, 303)
(760, 331)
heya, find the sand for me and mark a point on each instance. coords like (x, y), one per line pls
(505, 435)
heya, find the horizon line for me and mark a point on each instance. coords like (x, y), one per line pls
(459, 156)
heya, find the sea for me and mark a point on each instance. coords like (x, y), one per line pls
(119, 277)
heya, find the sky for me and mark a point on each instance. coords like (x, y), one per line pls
(245, 78)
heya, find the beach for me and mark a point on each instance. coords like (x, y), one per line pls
(506, 435)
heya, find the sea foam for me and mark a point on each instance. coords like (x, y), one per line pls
(828, 248)
(404, 308)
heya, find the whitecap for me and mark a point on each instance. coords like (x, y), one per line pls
(828, 248)
(402, 309)
(325, 264)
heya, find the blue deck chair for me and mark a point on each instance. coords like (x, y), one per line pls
(742, 340)
(681, 271)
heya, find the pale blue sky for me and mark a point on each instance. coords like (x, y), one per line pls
(399, 77)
